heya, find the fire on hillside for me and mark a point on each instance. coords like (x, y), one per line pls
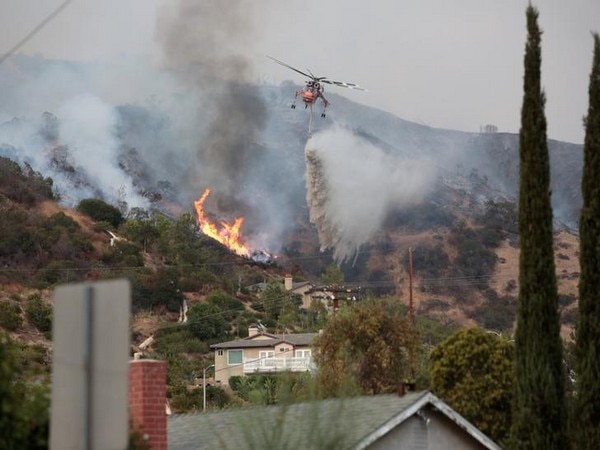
(227, 234)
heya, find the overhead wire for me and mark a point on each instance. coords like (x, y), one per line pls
(35, 30)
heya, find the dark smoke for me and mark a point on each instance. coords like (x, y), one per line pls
(205, 44)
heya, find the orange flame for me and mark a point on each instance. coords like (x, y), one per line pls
(228, 234)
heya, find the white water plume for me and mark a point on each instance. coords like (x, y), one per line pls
(352, 185)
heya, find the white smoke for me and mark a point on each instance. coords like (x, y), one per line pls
(352, 186)
(88, 127)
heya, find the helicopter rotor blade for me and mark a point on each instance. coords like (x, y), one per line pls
(343, 84)
(290, 67)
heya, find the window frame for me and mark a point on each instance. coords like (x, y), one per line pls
(303, 353)
(235, 351)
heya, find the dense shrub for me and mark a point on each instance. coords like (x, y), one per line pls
(101, 211)
(474, 259)
(207, 323)
(177, 339)
(226, 303)
(39, 313)
(500, 216)
(23, 185)
(58, 272)
(496, 313)
(158, 289)
(124, 254)
(429, 261)
(191, 399)
(60, 219)
(10, 315)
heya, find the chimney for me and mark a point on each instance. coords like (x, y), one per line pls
(405, 387)
(147, 400)
(252, 330)
(288, 282)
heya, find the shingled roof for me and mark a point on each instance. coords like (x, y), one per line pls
(271, 341)
(351, 423)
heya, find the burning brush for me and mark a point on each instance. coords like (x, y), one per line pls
(227, 234)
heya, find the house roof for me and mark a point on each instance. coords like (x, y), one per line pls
(300, 284)
(273, 340)
(351, 423)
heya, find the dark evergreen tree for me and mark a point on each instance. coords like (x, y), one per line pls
(587, 401)
(539, 411)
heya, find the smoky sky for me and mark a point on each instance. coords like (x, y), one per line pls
(448, 64)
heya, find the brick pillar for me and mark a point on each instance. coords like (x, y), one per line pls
(147, 399)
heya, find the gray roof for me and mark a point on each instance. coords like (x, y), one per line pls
(349, 423)
(303, 339)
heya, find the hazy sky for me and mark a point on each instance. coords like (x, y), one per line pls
(454, 64)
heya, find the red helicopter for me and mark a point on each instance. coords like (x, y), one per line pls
(314, 89)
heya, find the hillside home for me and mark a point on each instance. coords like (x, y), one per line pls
(417, 420)
(299, 288)
(329, 295)
(263, 352)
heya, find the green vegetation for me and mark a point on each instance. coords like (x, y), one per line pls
(23, 184)
(24, 406)
(539, 414)
(332, 275)
(11, 318)
(281, 388)
(39, 313)
(365, 348)
(473, 371)
(101, 211)
(587, 400)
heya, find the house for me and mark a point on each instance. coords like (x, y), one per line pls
(263, 352)
(300, 288)
(329, 295)
(417, 420)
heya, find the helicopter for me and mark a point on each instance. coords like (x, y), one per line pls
(314, 89)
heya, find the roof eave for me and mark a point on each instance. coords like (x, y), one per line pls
(428, 397)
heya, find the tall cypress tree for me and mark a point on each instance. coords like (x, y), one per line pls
(587, 402)
(539, 416)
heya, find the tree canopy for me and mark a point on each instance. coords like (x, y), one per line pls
(365, 348)
(539, 416)
(473, 371)
(587, 401)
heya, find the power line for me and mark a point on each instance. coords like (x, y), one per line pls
(33, 32)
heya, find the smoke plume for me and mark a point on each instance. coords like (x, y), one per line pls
(352, 185)
(205, 44)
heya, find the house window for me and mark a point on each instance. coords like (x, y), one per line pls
(220, 352)
(234, 357)
(303, 353)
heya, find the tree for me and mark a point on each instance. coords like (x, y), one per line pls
(539, 408)
(24, 417)
(473, 371)
(587, 401)
(365, 347)
(101, 211)
(142, 230)
(206, 322)
(332, 275)
(272, 299)
(230, 306)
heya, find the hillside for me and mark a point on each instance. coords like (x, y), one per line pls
(121, 200)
